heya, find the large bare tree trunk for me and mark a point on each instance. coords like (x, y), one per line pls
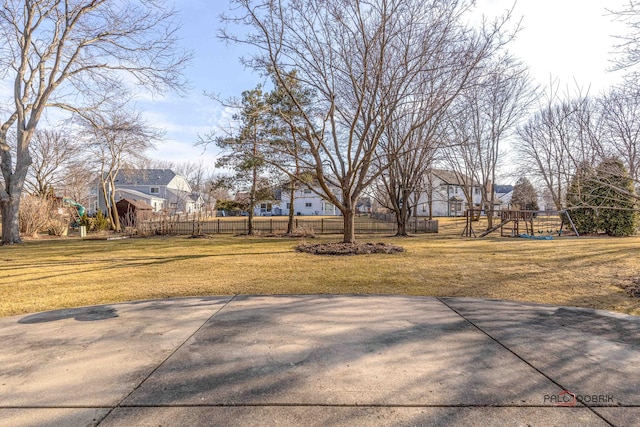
(402, 215)
(349, 220)
(13, 183)
(9, 208)
(401, 222)
(292, 195)
(113, 213)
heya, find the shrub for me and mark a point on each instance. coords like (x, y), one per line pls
(58, 226)
(34, 215)
(100, 222)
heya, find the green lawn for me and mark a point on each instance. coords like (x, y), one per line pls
(52, 274)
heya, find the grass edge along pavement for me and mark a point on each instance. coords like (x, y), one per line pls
(53, 274)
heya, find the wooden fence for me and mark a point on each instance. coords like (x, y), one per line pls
(278, 225)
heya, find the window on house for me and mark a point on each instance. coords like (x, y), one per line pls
(424, 207)
(328, 206)
(307, 191)
(155, 190)
(477, 191)
(265, 208)
(308, 205)
(288, 205)
(173, 205)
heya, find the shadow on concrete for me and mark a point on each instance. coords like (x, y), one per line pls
(392, 355)
(84, 314)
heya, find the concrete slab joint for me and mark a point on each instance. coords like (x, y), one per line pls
(320, 360)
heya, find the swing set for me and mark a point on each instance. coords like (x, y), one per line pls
(523, 223)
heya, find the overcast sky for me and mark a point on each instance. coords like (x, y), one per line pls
(569, 40)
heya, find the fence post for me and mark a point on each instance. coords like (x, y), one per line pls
(271, 225)
(218, 225)
(321, 225)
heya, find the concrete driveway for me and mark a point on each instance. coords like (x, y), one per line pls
(319, 360)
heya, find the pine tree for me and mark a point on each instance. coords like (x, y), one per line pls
(245, 149)
(525, 195)
(581, 200)
(615, 199)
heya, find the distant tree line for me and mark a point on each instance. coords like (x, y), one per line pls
(367, 99)
(361, 97)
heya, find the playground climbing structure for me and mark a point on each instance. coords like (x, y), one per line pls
(513, 223)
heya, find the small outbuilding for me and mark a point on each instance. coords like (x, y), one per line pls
(131, 211)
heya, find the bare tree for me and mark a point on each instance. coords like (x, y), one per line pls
(408, 149)
(560, 136)
(621, 110)
(628, 50)
(72, 54)
(195, 173)
(487, 116)
(411, 139)
(361, 60)
(77, 181)
(52, 151)
(116, 139)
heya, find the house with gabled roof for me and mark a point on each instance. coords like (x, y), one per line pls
(162, 189)
(447, 193)
(307, 201)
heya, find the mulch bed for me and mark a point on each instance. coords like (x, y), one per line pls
(633, 289)
(348, 248)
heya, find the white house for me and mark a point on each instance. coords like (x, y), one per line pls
(162, 189)
(305, 202)
(503, 194)
(447, 192)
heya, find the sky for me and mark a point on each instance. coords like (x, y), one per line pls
(565, 40)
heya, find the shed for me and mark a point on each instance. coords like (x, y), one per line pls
(131, 210)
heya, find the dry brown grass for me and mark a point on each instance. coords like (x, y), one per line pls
(586, 272)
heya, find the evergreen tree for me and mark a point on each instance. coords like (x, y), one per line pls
(287, 152)
(615, 199)
(525, 195)
(581, 200)
(603, 199)
(245, 149)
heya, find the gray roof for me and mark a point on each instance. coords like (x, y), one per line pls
(451, 178)
(503, 189)
(144, 176)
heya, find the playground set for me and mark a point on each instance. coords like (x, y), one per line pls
(75, 209)
(523, 223)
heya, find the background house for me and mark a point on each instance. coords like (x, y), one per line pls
(162, 189)
(503, 196)
(306, 202)
(448, 193)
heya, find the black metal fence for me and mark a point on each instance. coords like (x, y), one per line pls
(278, 225)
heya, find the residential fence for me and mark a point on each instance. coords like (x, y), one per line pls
(198, 226)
